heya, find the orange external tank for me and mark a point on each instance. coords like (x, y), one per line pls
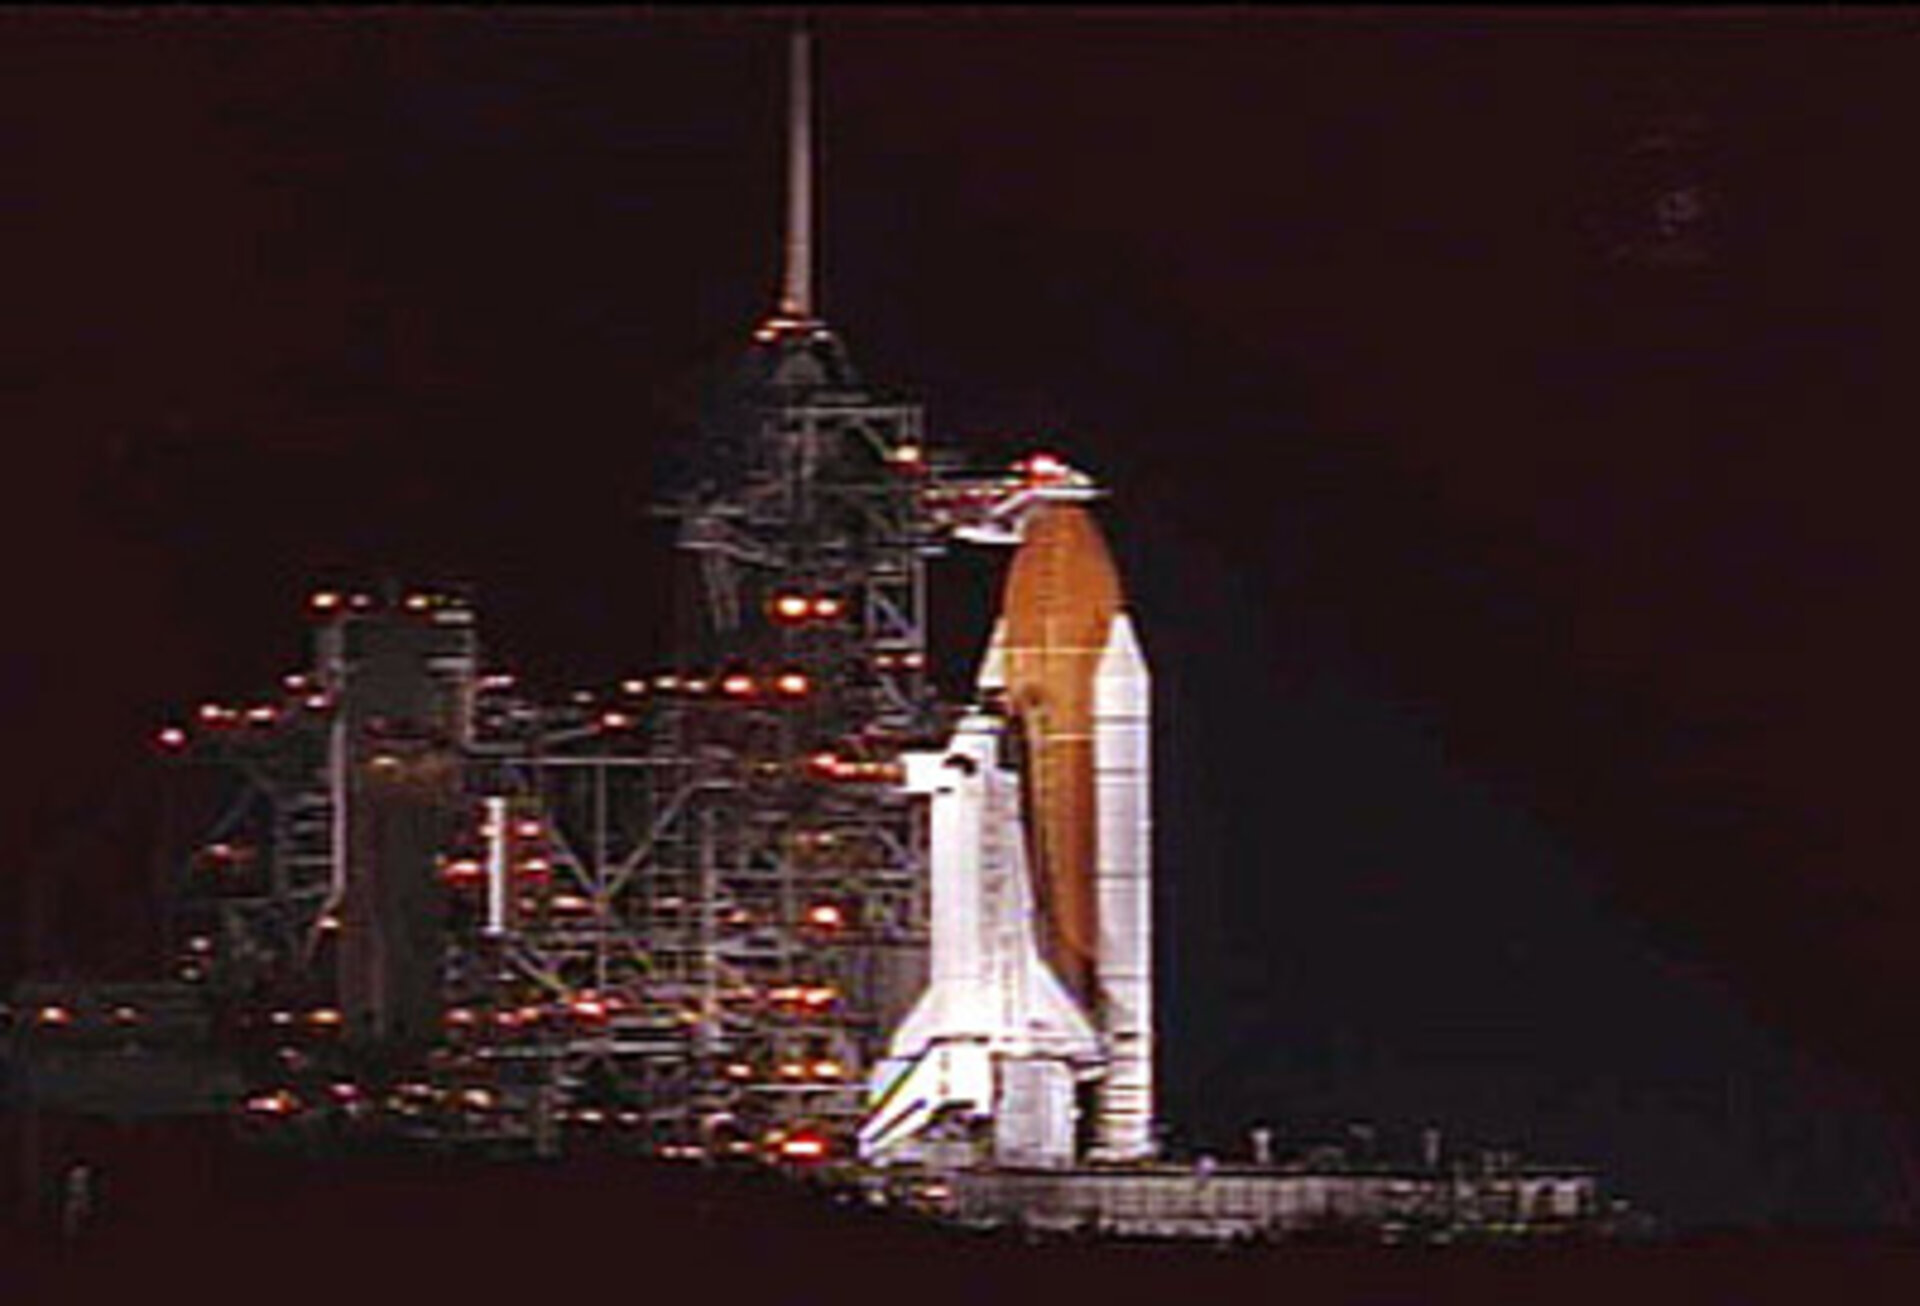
(1062, 596)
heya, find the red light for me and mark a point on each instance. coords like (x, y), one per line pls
(804, 1147)
(279, 1103)
(1045, 467)
(738, 685)
(589, 1008)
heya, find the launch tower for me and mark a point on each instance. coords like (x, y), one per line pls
(694, 912)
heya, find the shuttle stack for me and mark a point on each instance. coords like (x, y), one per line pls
(1033, 1043)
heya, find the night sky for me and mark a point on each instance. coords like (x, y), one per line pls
(1523, 579)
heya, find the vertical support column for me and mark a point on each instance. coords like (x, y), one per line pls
(498, 831)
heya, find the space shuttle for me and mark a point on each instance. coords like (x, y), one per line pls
(1032, 1045)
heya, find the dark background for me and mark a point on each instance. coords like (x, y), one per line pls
(1523, 582)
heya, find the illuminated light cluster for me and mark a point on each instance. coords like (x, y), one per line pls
(53, 1015)
(823, 1069)
(896, 661)
(324, 1018)
(589, 1007)
(739, 1070)
(826, 916)
(126, 1015)
(528, 828)
(780, 325)
(328, 923)
(496, 681)
(317, 702)
(459, 1018)
(1043, 467)
(615, 721)
(344, 1091)
(792, 684)
(461, 871)
(803, 1147)
(815, 997)
(968, 496)
(325, 601)
(792, 609)
(293, 682)
(666, 682)
(635, 686)
(737, 685)
(171, 738)
(219, 714)
(571, 903)
(908, 457)
(829, 766)
(418, 602)
(280, 1102)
